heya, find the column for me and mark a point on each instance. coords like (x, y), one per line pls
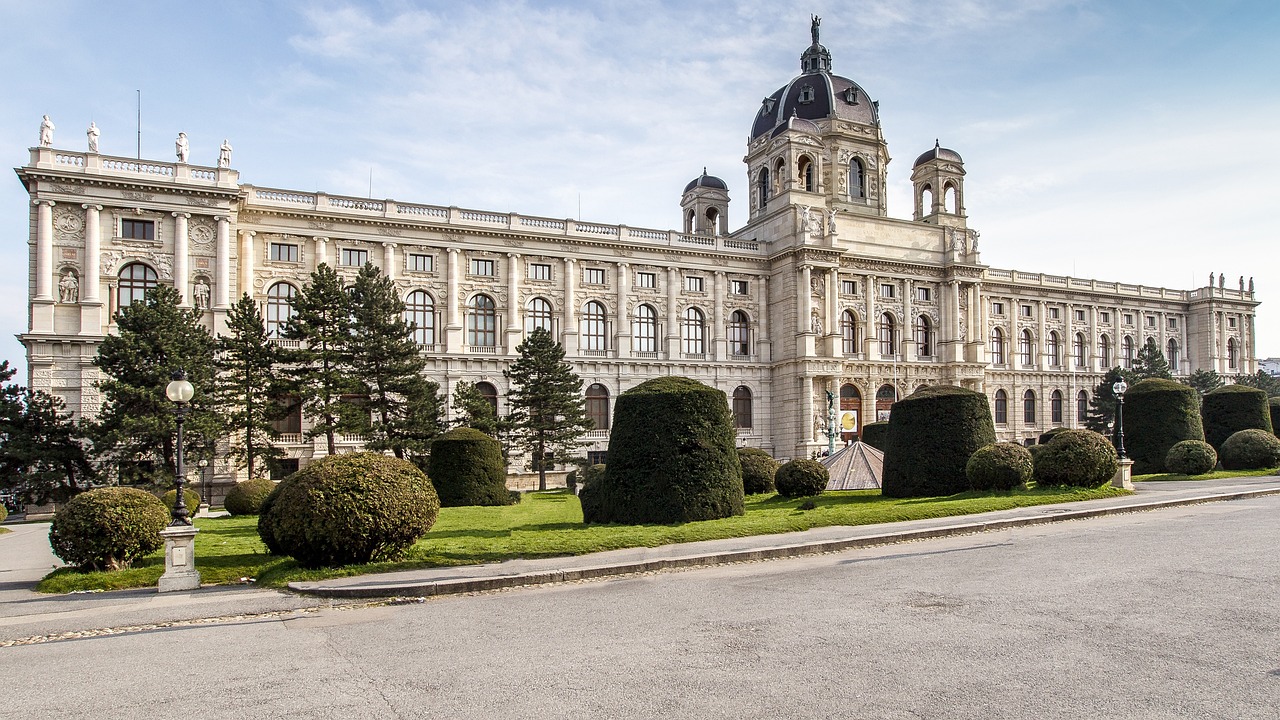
(1223, 360)
(389, 260)
(673, 313)
(453, 304)
(181, 258)
(953, 322)
(622, 331)
(719, 346)
(910, 351)
(513, 301)
(803, 283)
(763, 341)
(223, 290)
(570, 329)
(978, 310)
(321, 252)
(90, 285)
(44, 250)
(246, 258)
(1092, 343)
(869, 345)
(807, 433)
(1042, 341)
(833, 312)
(1069, 342)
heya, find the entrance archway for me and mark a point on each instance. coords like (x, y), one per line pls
(886, 396)
(850, 412)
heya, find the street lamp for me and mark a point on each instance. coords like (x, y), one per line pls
(180, 391)
(1119, 387)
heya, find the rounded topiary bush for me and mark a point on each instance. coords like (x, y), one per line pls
(1048, 435)
(245, 498)
(466, 468)
(589, 495)
(1002, 466)
(801, 478)
(1233, 408)
(108, 528)
(1250, 449)
(1159, 414)
(189, 496)
(348, 509)
(932, 434)
(1079, 458)
(758, 470)
(1191, 457)
(875, 434)
(671, 457)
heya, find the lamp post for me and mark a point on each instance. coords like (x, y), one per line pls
(179, 537)
(180, 391)
(1119, 387)
(204, 482)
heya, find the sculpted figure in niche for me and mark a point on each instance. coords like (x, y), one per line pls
(202, 294)
(224, 154)
(182, 148)
(69, 288)
(815, 323)
(831, 221)
(46, 132)
(93, 134)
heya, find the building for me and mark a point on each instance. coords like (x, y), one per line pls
(820, 291)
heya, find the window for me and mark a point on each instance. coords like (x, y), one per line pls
(1128, 319)
(997, 346)
(489, 393)
(135, 280)
(1104, 351)
(887, 290)
(1104, 317)
(482, 321)
(848, 332)
(1002, 407)
(353, 258)
(598, 406)
(1027, 348)
(539, 271)
(290, 419)
(856, 182)
(1053, 350)
(997, 308)
(420, 312)
(593, 276)
(1171, 354)
(887, 337)
(1232, 354)
(646, 280)
(537, 315)
(284, 252)
(692, 283)
(644, 330)
(1151, 321)
(417, 262)
(1055, 313)
(1025, 311)
(924, 336)
(1231, 322)
(138, 229)
(597, 457)
(693, 332)
(279, 308)
(1082, 405)
(1173, 323)
(484, 267)
(848, 287)
(1080, 350)
(1029, 407)
(738, 287)
(1079, 315)
(1055, 408)
(594, 327)
(806, 165)
(924, 294)
(1127, 345)
(762, 186)
(739, 334)
(742, 407)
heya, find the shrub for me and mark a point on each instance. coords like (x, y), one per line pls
(1002, 466)
(932, 433)
(671, 457)
(1159, 414)
(346, 509)
(758, 470)
(189, 496)
(801, 478)
(1250, 449)
(1048, 435)
(4, 512)
(1274, 406)
(108, 528)
(1233, 408)
(589, 495)
(1191, 457)
(245, 498)
(876, 434)
(1035, 451)
(466, 468)
(1079, 458)
(571, 480)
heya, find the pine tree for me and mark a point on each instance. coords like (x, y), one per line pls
(321, 321)
(1204, 381)
(548, 413)
(1151, 363)
(1262, 380)
(473, 410)
(42, 451)
(247, 385)
(156, 337)
(403, 406)
(1102, 405)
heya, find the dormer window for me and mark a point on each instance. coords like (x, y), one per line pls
(851, 95)
(769, 105)
(806, 94)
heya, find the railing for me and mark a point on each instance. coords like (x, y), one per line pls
(290, 438)
(597, 434)
(428, 348)
(644, 355)
(350, 438)
(356, 204)
(484, 217)
(422, 210)
(144, 168)
(483, 349)
(72, 160)
(595, 353)
(285, 342)
(284, 196)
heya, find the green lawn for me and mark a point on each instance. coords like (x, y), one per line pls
(549, 524)
(1215, 475)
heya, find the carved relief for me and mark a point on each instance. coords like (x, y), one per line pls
(201, 232)
(390, 231)
(68, 189)
(512, 242)
(201, 202)
(68, 223)
(132, 195)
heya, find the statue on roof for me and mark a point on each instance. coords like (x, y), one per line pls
(46, 132)
(224, 154)
(815, 21)
(92, 134)
(181, 147)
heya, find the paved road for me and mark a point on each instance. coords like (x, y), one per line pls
(1150, 615)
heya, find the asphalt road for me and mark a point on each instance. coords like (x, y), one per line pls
(1159, 614)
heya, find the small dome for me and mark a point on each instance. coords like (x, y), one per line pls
(940, 153)
(707, 181)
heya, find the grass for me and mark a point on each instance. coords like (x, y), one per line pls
(4, 530)
(1214, 475)
(549, 524)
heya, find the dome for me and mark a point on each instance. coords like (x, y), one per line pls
(707, 181)
(940, 153)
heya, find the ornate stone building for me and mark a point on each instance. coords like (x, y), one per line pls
(820, 291)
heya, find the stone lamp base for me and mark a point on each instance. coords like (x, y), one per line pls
(179, 559)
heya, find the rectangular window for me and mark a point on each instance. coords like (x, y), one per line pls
(997, 308)
(886, 290)
(420, 263)
(1231, 322)
(738, 287)
(593, 276)
(1173, 323)
(1025, 311)
(1151, 321)
(693, 283)
(284, 252)
(597, 457)
(539, 271)
(483, 267)
(138, 229)
(1054, 313)
(848, 287)
(1104, 317)
(1128, 318)
(924, 294)
(1079, 316)
(353, 258)
(646, 280)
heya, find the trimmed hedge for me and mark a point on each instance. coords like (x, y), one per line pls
(1191, 457)
(1002, 466)
(801, 478)
(1273, 405)
(1233, 408)
(108, 528)
(1077, 458)
(932, 434)
(671, 457)
(876, 434)
(1251, 449)
(349, 509)
(189, 496)
(1159, 414)
(758, 470)
(466, 468)
(245, 498)
(589, 495)
(1048, 435)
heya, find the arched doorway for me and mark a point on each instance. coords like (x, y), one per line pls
(886, 396)
(850, 412)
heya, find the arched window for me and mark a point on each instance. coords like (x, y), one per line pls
(1127, 345)
(1081, 352)
(762, 186)
(279, 307)
(926, 199)
(1055, 408)
(1171, 354)
(1104, 351)
(489, 393)
(1002, 407)
(689, 221)
(1233, 354)
(806, 174)
(713, 220)
(1029, 407)
(1053, 349)
(594, 321)
(779, 176)
(849, 332)
(739, 334)
(997, 346)
(857, 187)
(598, 406)
(742, 407)
(537, 314)
(949, 199)
(644, 329)
(693, 331)
(135, 280)
(924, 336)
(887, 335)
(1027, 348)
(482, 322)
(1082, 405)
(420, 312)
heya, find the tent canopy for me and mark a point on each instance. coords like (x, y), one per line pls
(857, 466)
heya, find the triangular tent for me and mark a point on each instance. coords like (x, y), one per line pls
(854, 467)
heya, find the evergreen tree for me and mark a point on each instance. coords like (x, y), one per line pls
(1151, 363)
(548, 412)
(246, 387)
(1262, 380)
(42, 452)
(1204, 381)
(473, 410)
(156, 338)
(403, 406)
(1102, 405)
(321, 321)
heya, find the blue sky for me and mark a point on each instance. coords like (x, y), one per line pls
(1131, 141)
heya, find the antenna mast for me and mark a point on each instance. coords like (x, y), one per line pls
(139, 124)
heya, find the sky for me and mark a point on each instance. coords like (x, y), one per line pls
(1130, 141)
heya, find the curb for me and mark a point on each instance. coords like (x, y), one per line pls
(544, 577)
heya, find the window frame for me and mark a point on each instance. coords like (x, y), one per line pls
(291, 253)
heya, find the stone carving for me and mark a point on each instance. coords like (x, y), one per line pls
(182, 147)
(224, 154)
(1241, 283)
(1251, 288)
(1210, 279)
(202, 293)
(973, 240)
(110, 261)
(317, 225)
(390, 232)
(93, 134)
(200, 202)
(817, 285)
(1222, 281)
(69, 222)
(831, 218)
(815, 323)
(68, 189)
(46, 132)
(201, 232)
(164, 264)
(131, 195)
(809, 221)
(69, 288)
(512, 242)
